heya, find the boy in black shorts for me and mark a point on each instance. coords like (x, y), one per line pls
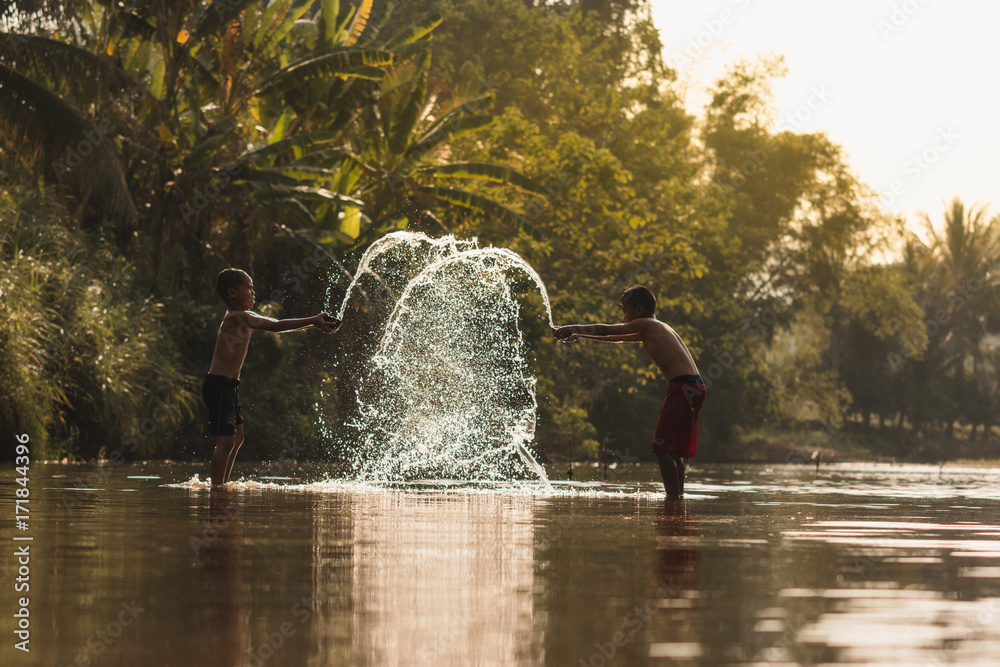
(219, 391)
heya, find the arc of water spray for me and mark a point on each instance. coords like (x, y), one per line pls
(386, 243)
(464, 256)
(394, 239)
(425, 277)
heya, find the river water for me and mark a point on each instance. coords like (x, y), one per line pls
(761, 565)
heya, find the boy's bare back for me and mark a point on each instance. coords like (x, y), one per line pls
(665, 347)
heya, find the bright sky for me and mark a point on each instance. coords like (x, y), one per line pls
(907, 87)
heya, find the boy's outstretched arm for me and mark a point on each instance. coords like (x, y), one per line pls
(260, 322)
(608, 333)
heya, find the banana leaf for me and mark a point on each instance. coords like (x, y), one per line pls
(415, 32)
(474, 202)
(278, 147)
(306, 192)
(486, 172)
(342, 62)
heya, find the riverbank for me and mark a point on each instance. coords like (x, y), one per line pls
(851, 442)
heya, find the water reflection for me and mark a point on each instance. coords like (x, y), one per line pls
(908, 599)
(677, 556)
(442, 580)
(785, 568)
(228, 615)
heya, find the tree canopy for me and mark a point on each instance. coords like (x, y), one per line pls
(164, 141)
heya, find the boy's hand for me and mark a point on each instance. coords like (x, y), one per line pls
(325, 323)
(565, 334)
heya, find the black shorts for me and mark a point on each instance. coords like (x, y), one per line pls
(223, 402)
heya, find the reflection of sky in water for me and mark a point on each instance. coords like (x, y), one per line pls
(882, 622)
(883, 480)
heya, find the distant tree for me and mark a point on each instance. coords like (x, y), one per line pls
(961, 306)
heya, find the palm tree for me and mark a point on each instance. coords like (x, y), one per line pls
(966, 240)
(964, 253)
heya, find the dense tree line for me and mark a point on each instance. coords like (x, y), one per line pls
(145, 146)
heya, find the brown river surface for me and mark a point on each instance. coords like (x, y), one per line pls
(857, 564)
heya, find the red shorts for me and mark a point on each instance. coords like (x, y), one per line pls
(677, 425)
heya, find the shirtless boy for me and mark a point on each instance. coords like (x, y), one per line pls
(219, 389)
(676, 434)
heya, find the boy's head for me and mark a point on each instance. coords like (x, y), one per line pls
(637, 301)
(235, 287)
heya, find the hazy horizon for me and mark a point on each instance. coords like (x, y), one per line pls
(900, 85)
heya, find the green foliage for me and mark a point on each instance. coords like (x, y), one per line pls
(85, 364)
(806, 385)
(250, 132)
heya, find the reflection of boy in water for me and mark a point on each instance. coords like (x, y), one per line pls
(220, 553)
(677, 561)
(235, 287)
(676, 434)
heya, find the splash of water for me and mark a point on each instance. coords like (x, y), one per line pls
(390, 260)
(449, 392)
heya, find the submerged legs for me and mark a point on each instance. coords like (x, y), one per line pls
(672, 469)
(224, 456)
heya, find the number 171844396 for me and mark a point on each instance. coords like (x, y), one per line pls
(22, 460)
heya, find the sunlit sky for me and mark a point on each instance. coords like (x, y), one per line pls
(907, 87)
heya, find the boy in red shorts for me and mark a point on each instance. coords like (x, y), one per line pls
(676, 436)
